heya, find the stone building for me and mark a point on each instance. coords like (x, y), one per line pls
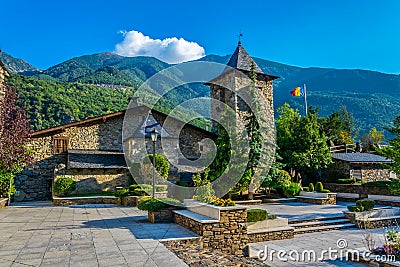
(363, 167)
(91, 150)
(3, 74)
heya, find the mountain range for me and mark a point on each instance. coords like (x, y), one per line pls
(371, 96)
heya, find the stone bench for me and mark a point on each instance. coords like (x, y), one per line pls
(317, 198)
(190, 215)
(376, 218)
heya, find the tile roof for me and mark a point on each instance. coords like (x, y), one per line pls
(147, 127)
(241, 60)
(96, 159)
(360, 158)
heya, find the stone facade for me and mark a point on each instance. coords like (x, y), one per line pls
(64, 201)
(263, 236)
(369, 172)
(101, 133)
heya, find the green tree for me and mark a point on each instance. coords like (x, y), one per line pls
(302, 143)
(371, 140)
(393, 150)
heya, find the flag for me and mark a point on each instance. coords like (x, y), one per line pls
(298, 91)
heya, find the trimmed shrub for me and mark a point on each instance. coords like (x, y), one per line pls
(223, 202)
(63, 186)
(355, 208)
(325, 191)
(139, 192)
(319, 187)
(346, 181)
(162, 164)
(394, 188)
(366, 204)
(306, 189)
(311, 187)
(378, 184)
(121, 193)
(292, 190)
(157, 204)
(256, 215)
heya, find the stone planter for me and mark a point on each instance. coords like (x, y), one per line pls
(131, 201)
(267, 224)
(164, 215)
(376, 218)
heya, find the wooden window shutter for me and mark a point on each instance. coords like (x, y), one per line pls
(60, 144)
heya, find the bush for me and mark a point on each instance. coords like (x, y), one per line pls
(292, 190)
(139, 192)
(378, 184)
(319, 187)
(5, 178)
(63, 186)
(366, 204)
(325, 191)
(306, 189)
(161, 187)
(394, 188)
(346, 181)
(355, 208)
(133, 187)
(162, 164)
(121, 193)
(223, 202)
(157, 204)
(256, 215)
(311, 187)
(280, 180)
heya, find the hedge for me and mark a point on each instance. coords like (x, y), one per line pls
(256, 215)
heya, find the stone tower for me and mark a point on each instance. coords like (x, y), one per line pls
(3, 75)
(237, 77)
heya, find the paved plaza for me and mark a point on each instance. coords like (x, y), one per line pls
(90, 235)
(39, 234)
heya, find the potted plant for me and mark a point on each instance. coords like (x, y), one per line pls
(159, 209)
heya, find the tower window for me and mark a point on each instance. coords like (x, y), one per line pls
(222, 95)
(60, 144)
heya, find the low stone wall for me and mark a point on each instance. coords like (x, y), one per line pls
(69, 201)
(3, 202)
(97, 180)
(279, 234)
(326, 199)
(165, 215)
(362, 190)
(229, 234)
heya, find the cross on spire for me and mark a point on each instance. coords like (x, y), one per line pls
(240, 36)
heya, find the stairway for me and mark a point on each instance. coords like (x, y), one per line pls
(320, 225)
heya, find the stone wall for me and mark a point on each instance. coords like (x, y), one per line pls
(97, 180)
(369, 172)
(65, 201)
(228, 234)
(356, 189)
(271, 235)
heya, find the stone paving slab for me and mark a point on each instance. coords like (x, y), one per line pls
(39, 234)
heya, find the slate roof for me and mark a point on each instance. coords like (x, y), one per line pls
(241, 60)
(96, 159)
(360, 158)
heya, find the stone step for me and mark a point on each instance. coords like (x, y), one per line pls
(323, 228)
(319, 223)
(317, 219)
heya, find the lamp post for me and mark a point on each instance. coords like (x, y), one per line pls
(154, 135)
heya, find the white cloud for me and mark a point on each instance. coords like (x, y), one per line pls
(170, 50)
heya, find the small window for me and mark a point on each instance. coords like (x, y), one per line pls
(201, 148)
(60, 144)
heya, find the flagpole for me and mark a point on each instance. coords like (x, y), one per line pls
(305, 98)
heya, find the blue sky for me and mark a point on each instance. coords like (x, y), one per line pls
(340, 34)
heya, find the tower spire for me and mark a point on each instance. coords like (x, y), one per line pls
(239, 37)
